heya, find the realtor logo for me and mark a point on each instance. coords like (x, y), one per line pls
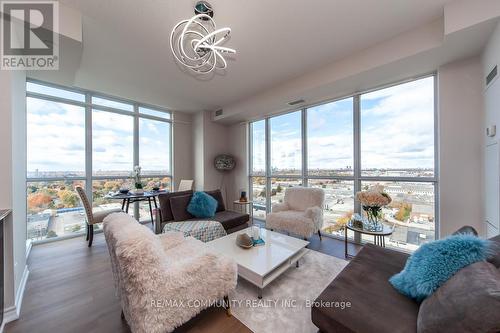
(29, 35)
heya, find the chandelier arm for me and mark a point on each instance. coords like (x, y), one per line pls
(223, 49)
(213, 35)
(199, 35)
(218, 55)
(201, 62)
(184, 34)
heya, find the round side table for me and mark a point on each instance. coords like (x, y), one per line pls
(245, 207)
(378, 236)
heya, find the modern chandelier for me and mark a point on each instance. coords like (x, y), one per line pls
(196, 42)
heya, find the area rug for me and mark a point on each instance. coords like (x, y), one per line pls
(285, 303)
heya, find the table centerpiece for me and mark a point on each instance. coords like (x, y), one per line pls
(136, 175)
(372, 202)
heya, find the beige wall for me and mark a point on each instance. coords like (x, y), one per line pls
(216, 142)
(12, 181)
(238, 147)
(210, 139)
(182, 147)
(198, 151)
(490, 59)
(460, 136)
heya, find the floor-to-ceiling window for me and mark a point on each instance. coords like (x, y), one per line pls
(81, 138)
(384, 137)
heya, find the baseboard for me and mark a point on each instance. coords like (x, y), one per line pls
(28, 249)
(12, 312)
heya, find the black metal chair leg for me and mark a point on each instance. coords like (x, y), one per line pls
(151, 212)
(319, 234)
(87, 236)
(91, 234)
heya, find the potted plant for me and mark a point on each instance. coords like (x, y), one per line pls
(136, 175)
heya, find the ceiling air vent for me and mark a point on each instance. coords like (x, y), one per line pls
(491, 76)
(218, 112)
(299, 101)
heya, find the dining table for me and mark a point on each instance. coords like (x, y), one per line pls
(131, 197)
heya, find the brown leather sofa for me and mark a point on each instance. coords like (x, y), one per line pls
(173, 207)
(375, 306)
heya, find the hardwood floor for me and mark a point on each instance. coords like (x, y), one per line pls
(70, 289)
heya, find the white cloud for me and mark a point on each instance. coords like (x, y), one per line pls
(397, 131)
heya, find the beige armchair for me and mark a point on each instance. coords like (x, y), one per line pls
(301, 212)
(164, 280)
(92, 217)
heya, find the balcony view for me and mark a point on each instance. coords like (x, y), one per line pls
(404, 168)
(58, 162)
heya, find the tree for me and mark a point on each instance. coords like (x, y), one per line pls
(342, 221)
(112, 185)
(75, 228)
(38, 201)
(165, 182)
(404, 212)
(70, 199)
(279, 188)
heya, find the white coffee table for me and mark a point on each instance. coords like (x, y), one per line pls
(260, 265)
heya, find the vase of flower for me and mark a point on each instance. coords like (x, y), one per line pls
(136, 175)
(372, 202)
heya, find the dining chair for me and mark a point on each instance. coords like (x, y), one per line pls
(185, 185)
(92, 217)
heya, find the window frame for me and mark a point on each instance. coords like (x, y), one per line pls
(357, 177)
(89, 107)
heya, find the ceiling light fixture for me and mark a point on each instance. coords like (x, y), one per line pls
(195, 43)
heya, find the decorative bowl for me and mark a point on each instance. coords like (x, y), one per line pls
(244, 241)
(124, 190)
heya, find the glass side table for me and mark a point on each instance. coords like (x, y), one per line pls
(378, 236)
(245, 207)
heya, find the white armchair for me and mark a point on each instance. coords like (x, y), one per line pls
(164, 280)
(301, 212)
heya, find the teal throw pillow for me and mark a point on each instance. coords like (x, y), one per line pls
(435, 262)
(202, 205)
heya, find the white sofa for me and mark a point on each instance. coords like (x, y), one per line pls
(301, 213)
(163, 280)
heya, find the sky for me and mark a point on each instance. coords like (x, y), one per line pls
(397, 131)
(56, 140)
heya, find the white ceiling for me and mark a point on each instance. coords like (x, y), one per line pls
(275, 41)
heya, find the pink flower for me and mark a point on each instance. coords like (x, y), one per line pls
(374, 197)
